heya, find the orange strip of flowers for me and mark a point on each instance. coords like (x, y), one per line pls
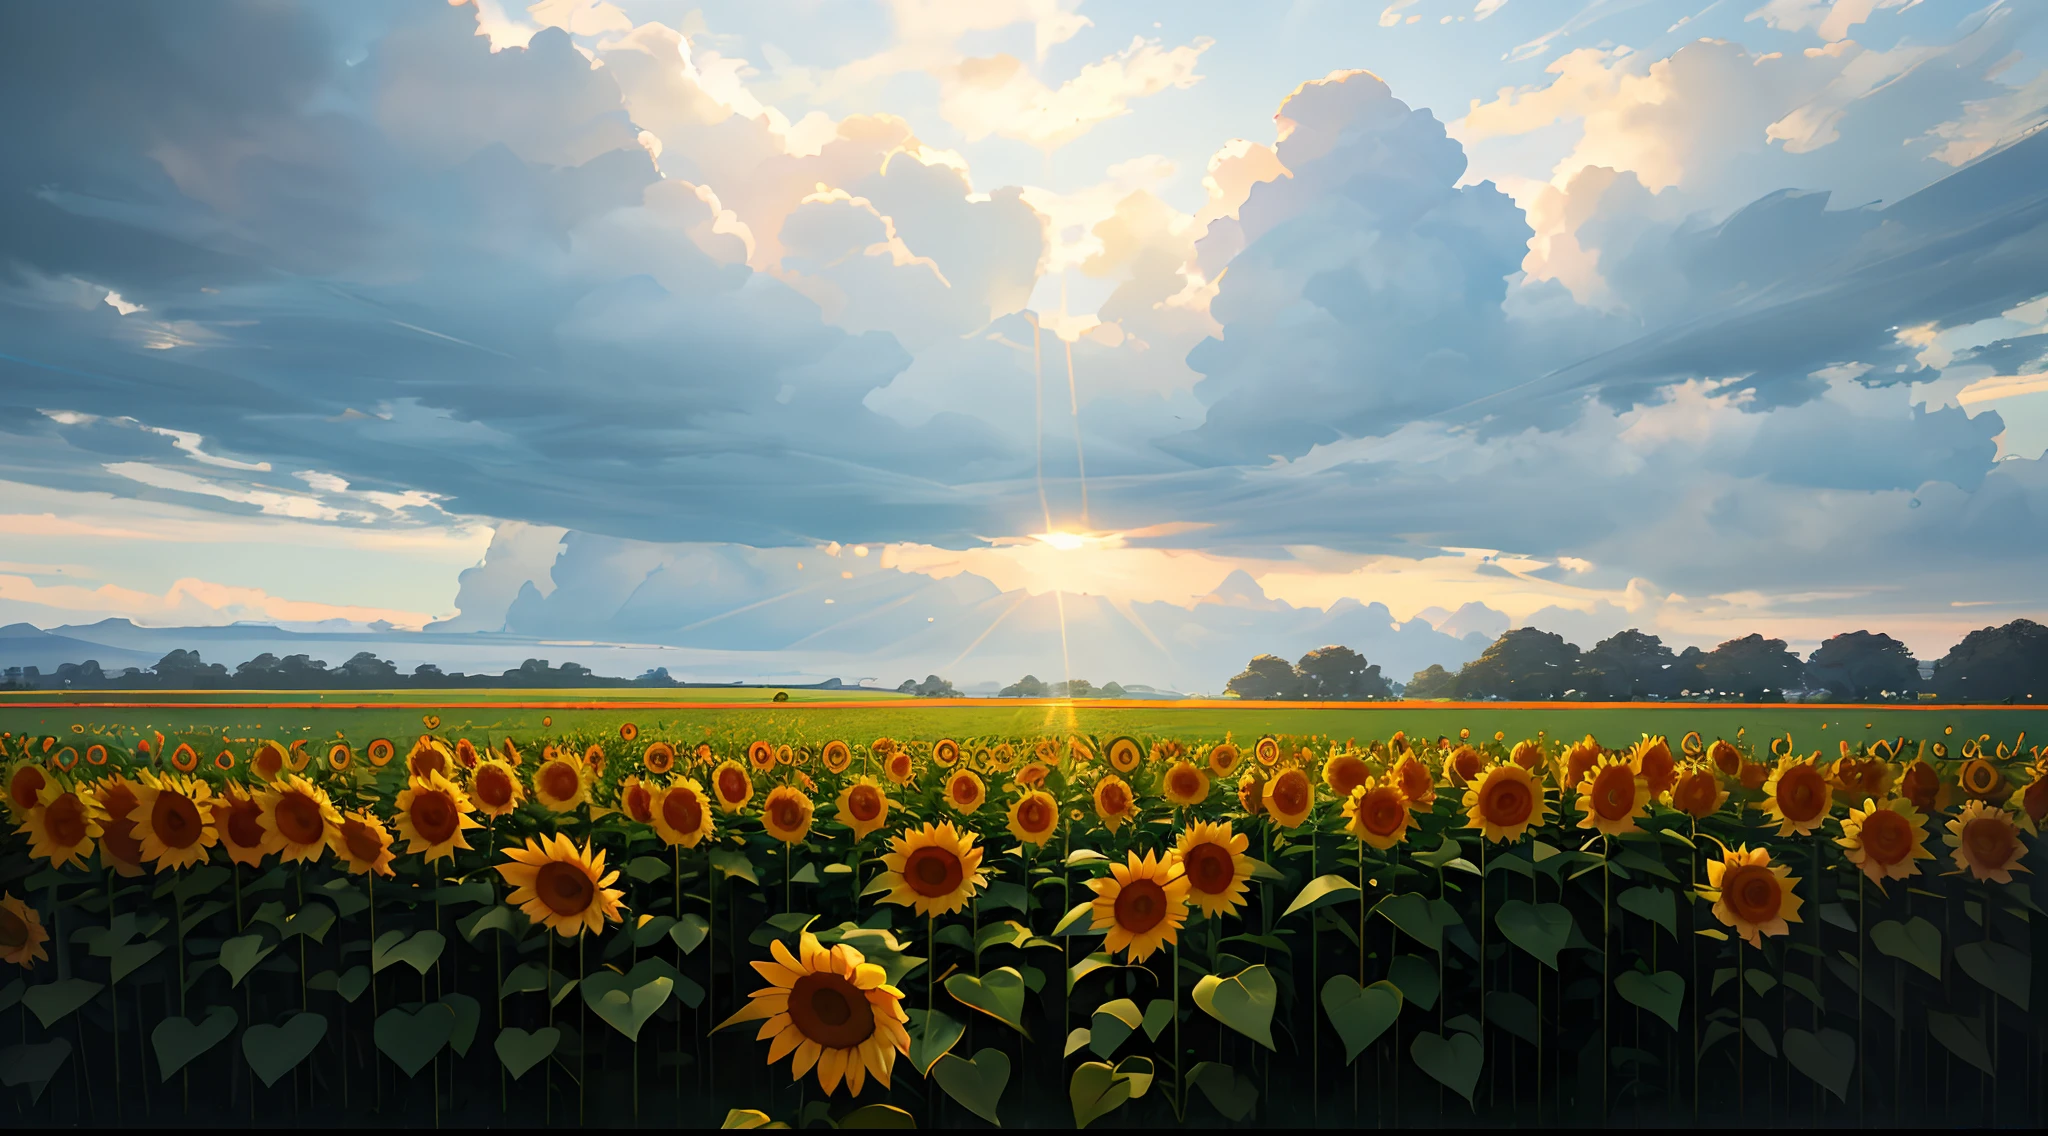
(996, 703)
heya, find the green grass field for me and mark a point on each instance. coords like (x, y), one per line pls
(358, 716)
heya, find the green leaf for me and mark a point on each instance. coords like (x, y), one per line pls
(747, 1118)
(1662, 993)
(1542, 929)
(419, 951)
(178, 1041)
(1454, 1061)
(1003, 893)
(1087, 966)
(345, 896)
(999, 994)
(502, 919)
(478, 890)
(734, 864)
(1915, 941)
(352, 982)
(201, 914)
(690, 931)
(1360, 1014)
(312, 921)
(128, 958)
(1112, 1024)
(467, 1011)
(1411, 912)
(411, 1040)
(1077, 1039)
(1075, 921)
(646, 934)
(1999, 969)
(1760, 1036)
(1096, 1091)
(927, 1045)
(1963, 1037)
(880, 946)
(1083, 856)
(1827, 1058)
(520, 1051)
(1513, 1013)
(1158, 1015)
(877, 1116)
(273, 1051)
(52, 1002)
(647, 869)
(1320, 891)
(1446, 851)
(625, 1007)
(977, 1084)
(196, 882)
(240, 955)
(1417, 980)
(1244, 1002)
(1658, 905)
(33, 1065)
(1232, 1093)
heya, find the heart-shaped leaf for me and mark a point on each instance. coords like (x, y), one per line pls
(1410, 911)
(33, 1065)
(133, 955)
(419, 951)
(999, 994)
(412, 1040)
(502, 919)
(1662, 993)
(1827, 1057)
(748, 1118)
(932, 1036)
(466, 1011)
(1542, 929)
(1963, 1037)
(1158, 1015)
(1360, 1014)
(1915, 941)
(878, 1116)
(53, 1001)
(1417, 980)
(1230, 1091)
(239, 955)
(1320, 892)
(177, 1041)
(1454, 1061)
(879, 946)
(1658, 905)
(1998, 968)
(647, 869)
(1077, 1039)
(977, 1084)
(273, 1051)
(521, 1051)
(689, 931)
(313, 921)
(1112, 1024)
(1096, 1091)
(1244, 1002)
(625, 1007)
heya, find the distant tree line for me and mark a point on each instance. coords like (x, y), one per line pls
(1031, 686)
(1326, 674)
(186, 670)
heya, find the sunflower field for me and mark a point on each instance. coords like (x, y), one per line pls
(621, 929)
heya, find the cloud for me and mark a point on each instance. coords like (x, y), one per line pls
(997, 95)
(188, 602)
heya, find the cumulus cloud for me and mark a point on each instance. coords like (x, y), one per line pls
(998, 95)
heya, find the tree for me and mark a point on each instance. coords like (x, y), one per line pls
(1523, 665)
(1752, 668)
(1685, 674)
(1432, 682)
(366, 669)
(1996, 664)
(1265, 677)
(934, 687)
(1627, 666)
(1339, 674)
(1864, 667)
(1074, 688)
(87, 673)
(1030, 686)
(1112, 690)
(657, 677)
(185, 670)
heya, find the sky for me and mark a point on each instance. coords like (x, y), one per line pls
(775, 322)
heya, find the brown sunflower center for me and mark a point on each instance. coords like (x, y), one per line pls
(1695, 793)
(639, 803)
(65, 820)
(830, 1010)
(493, 786)
(1752, 893)
(119, 839)
(1290, 793)
(175, 820)
(1614, 792)
(1800, 792)
(566, 888)
(864, 803)
(1384, 812)
(13, 930)
(787, 813)
(1115, 799)
(1887, 837)
(558, 781)
(1414, 780)
(1507, 803)
(1467, 761)
(1920, 785)
(1980, 777)
(1348, 774)
(1657, 767)
(245, 827)
(1209, 868)
(965, 790)
(732, 785)
(1988, 841)
(298, 819)
(362, 841)
(1186, 783)
(434, 816)
(899, 765)
(1034, 815)
(932, 871)
(269, 761)
(1140, 905)
(23, 787)
(2035, 799)
(680, 811)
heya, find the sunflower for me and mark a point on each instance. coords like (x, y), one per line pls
(1378, 813)
(429, 755)
(965, 792)
(62, 826)
(1980, 780)
(732, 786)
(1166, 752)
(1797, 796)
(1032, 775)
(935, 869)
(833, 1009)
(380, 751)
(785, 754)
(898, 767)
(25, 781)
(1885, 839)
(628, 731)
(238, 817)
(1343, 772)
(1651, 758)
(786, 814)
(432, 815)
(836, 755)
(946, 752)
(1414, 780)
(1213, 863)
(465, 753)
(299, 821)
(1080, 751)
(562, 781)
(1751, 894)
(679, 812)
(1034, 817)
(1579, 761)
(636, 799)
(1289, 797)
(21, 933)
(1504, 802)
(173, 819)
(1870, 778)
(1527, 754)
(1184, 784)
(1251, 793)
(495, 788)
(1725, 757)
(2030, 805)
(1923, 786)
(362, 843)
(1125, 754)
(1614, 793)
(1142, 904)
(1267, 750)
(1224, 759)
(658, 758)
(761, 755)
(561, 886)
(510, 753)
(268, 761)
(1698, 792)
(863, 807)
(1753, 775)
(119, 848)
(1464, 766)
(1002, 758)
(1115, 805)
(1986, 842)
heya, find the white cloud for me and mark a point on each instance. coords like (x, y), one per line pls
(999, 95)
